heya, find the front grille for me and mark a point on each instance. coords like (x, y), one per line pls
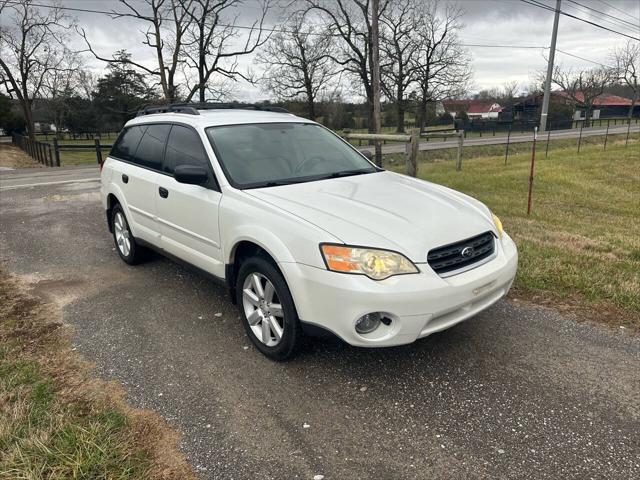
(449, 258)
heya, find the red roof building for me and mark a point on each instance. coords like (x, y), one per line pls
(473, 108)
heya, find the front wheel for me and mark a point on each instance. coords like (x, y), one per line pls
(268, 313)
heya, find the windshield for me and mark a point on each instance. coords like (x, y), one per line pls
(270, 154)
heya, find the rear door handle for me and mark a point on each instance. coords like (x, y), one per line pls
(125, 178)
(164, 193)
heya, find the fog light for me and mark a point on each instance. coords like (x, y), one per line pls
(368, 323)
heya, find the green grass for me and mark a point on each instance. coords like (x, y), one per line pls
(581, 244)
(44, 437)
(56, 421)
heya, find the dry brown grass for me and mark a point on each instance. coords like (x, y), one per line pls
(13, 157)
(56, 419)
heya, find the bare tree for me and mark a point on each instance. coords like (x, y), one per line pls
(60, 86)
(442, 65)
(167, 21)
(212, 42)
(297, 62)
(399, 45)
(583, 87)
(626, 61)
(350, 22)
(32, 47)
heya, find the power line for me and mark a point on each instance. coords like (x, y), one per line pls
(581, 58)
(591, 9)
(473, 45)
(621, 11)
(535, 3)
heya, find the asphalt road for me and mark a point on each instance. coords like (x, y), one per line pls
(516, 137)
(516, 392)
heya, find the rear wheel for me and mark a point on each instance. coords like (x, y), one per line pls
(268, 313)
(125, 243)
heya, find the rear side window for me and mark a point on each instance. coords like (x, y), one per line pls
(184, 148)
(127, 143)
(151, 147)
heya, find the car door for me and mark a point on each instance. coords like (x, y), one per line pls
(136, 176)
(188, 214)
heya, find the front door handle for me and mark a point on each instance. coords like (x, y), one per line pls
(164, 193)
(125, 178)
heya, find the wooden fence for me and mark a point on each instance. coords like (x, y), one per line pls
(97, 147)
(48, 154)
(410, 141)
(40, 151)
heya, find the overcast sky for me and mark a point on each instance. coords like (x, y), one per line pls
(490, 22)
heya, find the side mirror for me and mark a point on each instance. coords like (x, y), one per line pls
(368, 154)
(191, 174)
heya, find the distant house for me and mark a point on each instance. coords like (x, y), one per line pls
(605, 106)
(473, 108)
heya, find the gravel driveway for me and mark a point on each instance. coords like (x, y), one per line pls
(516, 392)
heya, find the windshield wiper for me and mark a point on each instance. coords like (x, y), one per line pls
(347, 173)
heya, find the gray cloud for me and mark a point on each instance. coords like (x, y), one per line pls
(495, 22)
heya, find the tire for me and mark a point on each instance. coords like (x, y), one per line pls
(276, 309)
(126, 245)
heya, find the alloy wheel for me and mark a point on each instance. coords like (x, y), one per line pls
(123, 237)
(263, 309)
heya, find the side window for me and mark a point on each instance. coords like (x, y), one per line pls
(127, 143)
(151, 147)
(184, 148)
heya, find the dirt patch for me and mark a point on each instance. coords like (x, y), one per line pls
(13, 157)
(56, 419)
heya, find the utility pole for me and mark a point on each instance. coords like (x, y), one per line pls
(547, 82)
(375, 76)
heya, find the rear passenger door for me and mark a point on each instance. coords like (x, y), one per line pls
(188, 214)
(141, 149)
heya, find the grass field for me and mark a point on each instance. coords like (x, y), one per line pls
(580, 248)
(56, 421)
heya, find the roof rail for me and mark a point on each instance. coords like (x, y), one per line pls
(192, 108)
(168, 109)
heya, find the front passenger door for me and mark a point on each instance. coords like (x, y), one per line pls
(188, 214)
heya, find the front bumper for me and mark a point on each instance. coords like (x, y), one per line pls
(418, 305)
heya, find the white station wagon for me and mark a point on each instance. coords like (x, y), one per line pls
(308, 234)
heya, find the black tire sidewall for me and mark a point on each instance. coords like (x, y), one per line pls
(292, 332)
(131, 259)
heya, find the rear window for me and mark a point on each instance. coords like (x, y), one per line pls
(151, 147)
(127, 143)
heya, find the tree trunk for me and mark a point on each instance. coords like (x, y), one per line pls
(587, 116)
(422, 113)
(28, 119)
(311, 108)
(400, 113)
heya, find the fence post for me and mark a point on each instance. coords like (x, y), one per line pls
(506, 153)
(580, 137)
(98, 151)
(459, 156)
(546, 153)
(411, 149)
(626, 142)
(533, 161)
(606, 136)
(56, 151)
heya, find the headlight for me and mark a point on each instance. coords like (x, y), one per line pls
(498, 225)
(375, 264)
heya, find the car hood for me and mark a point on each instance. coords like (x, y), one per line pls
(384, 210)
